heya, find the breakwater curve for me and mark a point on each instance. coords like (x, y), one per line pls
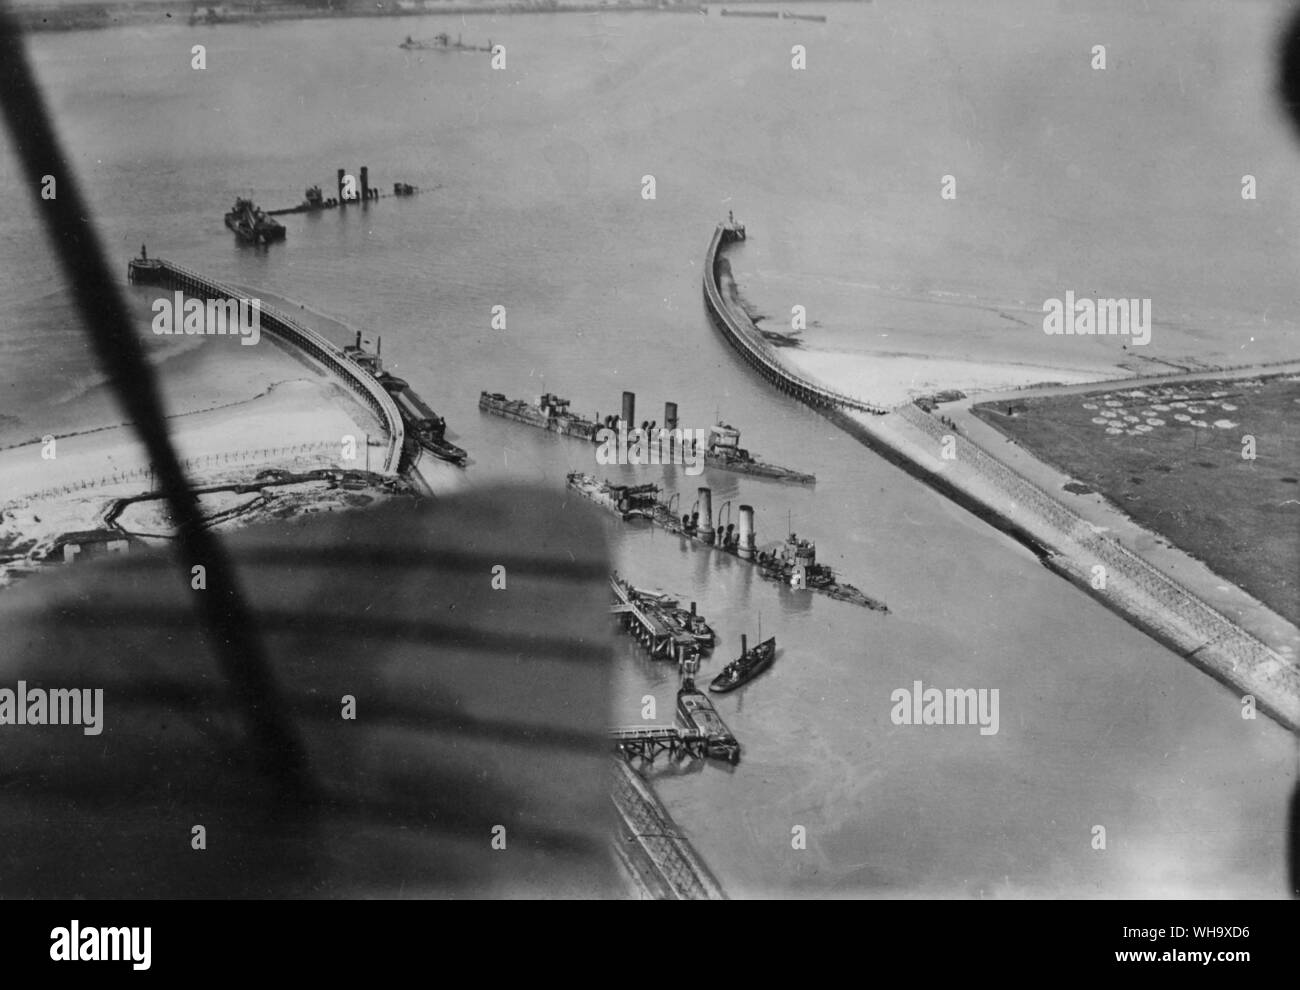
(741, 333)
(169, 275)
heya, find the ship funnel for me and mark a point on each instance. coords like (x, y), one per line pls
(706, 515)
(629, 409)
(747, 537)
(365, 184)
(341, 199)
(744, 645)
(358, 340)
(692, 608)
(670, 425)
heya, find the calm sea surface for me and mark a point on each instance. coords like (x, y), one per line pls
(1125, 182)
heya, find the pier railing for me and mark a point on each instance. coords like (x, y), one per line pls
(174, 276)
(754, 349)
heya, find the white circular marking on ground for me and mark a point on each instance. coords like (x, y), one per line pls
(1161, 408)
(1090, 405)
(1182, 417)
(1154, 421)
(1143, 428)
(1178, 405)
(1196, 410)
(1229, 407)
(1224, 424)
(1114, 431)
(1100, 420)
(1113, 402)
(1201, 423)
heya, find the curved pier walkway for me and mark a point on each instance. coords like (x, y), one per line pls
(169, 275)
(744, 336)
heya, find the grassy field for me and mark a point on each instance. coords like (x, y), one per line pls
(1172, 458)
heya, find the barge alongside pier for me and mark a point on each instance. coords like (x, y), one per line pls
(665, 630)
(667, 444)
(424, 427)
(699, 733)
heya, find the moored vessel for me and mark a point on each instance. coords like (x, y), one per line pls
(424, 426)
(697, 715)
(745, 667)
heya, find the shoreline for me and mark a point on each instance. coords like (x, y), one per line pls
(123, 13)
(1138, 590)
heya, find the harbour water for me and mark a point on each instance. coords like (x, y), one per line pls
(532, 180)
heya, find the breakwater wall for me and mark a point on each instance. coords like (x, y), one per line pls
(1141, 593)
(169, 275)
(1065, 542)
(741, 333)
(652, 847)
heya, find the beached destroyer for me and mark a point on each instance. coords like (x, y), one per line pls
(719, 449)
(794, 563)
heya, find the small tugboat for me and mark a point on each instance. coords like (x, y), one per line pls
(694, 626)
(745, 667)
(251, 224)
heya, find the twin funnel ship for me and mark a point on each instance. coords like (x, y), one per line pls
(721, 450)
(793, 563)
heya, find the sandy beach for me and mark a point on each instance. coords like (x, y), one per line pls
(889, 379)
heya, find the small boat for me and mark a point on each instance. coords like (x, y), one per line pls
(251, 224)
(790, 15)
(695, 627)
(745, 667)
